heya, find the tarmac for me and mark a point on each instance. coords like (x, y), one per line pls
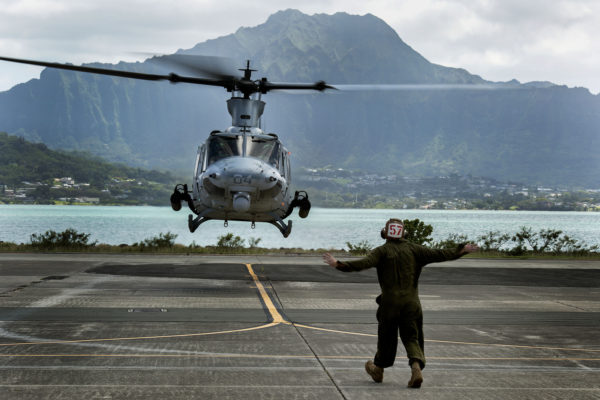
(94, 326)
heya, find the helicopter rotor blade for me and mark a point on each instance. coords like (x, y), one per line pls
(266, 86)
(219, 77)
(173, 78)
(423, 86)
(215, 67)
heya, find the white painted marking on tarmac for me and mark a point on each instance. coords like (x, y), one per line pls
(437, 366)
(483, 333)
(584, 367)
(65, 295)
(46, 303)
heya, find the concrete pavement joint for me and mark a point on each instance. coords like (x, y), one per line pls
(267, 301)
(289, 356)
(570, 305)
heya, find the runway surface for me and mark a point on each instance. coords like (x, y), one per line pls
(87, 326)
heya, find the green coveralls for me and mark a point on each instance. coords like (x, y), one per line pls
(399, 264)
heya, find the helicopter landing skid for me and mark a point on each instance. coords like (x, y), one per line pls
(284, 228)
(194, 223)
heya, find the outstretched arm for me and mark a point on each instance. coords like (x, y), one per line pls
(425, 255)
(329, 259)
(354, 265)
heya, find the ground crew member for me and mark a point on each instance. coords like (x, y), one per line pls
(399, 264)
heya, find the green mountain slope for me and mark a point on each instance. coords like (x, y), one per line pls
(35, 167)
(534, 133)
(21, 160)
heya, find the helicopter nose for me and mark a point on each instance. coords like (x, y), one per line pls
(241, 202)
(242, 174)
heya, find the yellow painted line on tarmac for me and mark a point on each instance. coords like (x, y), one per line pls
(277, 318)
(455, 342)
(334, 330)
(142, 337)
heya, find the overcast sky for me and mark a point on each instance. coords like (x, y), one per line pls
(545, 40)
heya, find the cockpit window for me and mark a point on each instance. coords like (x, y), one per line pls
(223, 146)
(264, 149)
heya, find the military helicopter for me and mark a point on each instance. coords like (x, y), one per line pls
(241, 173)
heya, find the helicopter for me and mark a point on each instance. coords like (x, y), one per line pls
(241, 173)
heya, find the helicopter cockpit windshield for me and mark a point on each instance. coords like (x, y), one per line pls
(263, 149)
(266, 149)
(220, 147)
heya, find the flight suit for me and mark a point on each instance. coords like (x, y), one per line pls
(399, 264)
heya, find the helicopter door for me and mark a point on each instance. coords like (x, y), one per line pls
(280, 163)
(200, 166)
(287, 166)
(284, 164)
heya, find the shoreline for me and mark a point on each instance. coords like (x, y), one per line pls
(318, 206)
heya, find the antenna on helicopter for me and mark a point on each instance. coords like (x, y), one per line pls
(246, 89)
(247, 71)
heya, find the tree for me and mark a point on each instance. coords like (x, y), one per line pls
(417, 231)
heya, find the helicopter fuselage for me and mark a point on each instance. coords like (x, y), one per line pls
(247, 185)
(242, 174)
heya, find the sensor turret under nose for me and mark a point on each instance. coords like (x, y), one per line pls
(241, 202)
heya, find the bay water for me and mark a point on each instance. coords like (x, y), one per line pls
(324, 228)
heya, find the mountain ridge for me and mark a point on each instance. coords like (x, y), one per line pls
(537, 133)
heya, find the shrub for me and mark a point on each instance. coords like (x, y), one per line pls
(362, 247)
(452, 241)
(163, 240)
(68, 239)
(253, 242)
(572, 246)
(229, 241)
(493, 241)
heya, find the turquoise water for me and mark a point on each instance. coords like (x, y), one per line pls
(324, 228)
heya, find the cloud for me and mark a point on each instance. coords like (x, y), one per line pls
(497, 39)
(501, 40)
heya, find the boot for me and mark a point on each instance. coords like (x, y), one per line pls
(416, 378)
(375, 371)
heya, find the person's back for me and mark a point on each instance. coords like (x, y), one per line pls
(399, 264)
